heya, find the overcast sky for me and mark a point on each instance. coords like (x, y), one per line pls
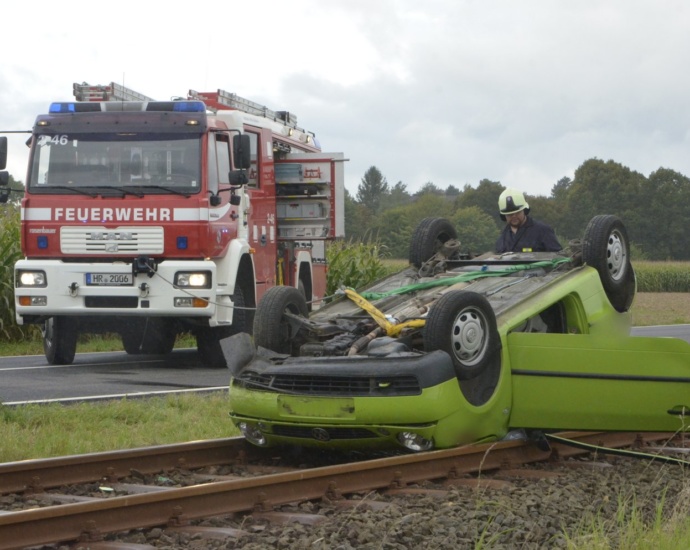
(442, 91)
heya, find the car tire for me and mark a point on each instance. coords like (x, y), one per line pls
(606, 248)
(208, 338)
(428, 237)
(59, 340)
(272, 330)
(463, 324)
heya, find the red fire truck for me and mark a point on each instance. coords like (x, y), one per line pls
(154, 218)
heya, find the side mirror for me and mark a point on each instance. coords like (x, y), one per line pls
(214, 200)
(241, 151)
(235, 200)
(4, 186)
(3, 152)
(237, 177)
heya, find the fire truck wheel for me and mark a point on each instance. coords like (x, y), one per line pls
(272, 329)
(208, 338)
(606, 248)
(149, 337)
(463, 324)
(428, 237)
(59, 340)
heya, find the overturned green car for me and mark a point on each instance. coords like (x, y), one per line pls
(458, 349)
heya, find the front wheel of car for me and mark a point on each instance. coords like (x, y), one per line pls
(272, 328)
(428, 237)
(606, 248)
(463, 324)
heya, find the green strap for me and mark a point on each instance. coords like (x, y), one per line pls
(463, 278)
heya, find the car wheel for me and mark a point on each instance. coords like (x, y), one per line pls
(463, 324)
(272, 330)
(428, 237)
(208, 338)
(59, 340)
(606, 248)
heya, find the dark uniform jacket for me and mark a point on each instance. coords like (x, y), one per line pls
(533, 236)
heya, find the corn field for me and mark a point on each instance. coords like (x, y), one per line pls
(662, 276)
(9, 253)
(353, 264)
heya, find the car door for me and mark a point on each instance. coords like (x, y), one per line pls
(588, 382)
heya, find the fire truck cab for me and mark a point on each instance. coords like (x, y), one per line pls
(154, 218)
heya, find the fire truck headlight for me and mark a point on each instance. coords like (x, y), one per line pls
(31, 278)
(190, 279)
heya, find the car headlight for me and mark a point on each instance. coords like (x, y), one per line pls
(252, 433)
(415, 442)
(31, 279)
(193, 279)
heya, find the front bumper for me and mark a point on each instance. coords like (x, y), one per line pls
(66, 291)
(357, 402)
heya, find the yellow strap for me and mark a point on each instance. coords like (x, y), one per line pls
(280, 272)
(378, 316)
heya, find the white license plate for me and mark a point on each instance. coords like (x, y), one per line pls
(109, 279)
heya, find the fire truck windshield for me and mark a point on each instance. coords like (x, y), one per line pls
(146, 163)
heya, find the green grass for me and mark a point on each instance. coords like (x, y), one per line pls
(87, 343)
(665, 528)
(43, 431)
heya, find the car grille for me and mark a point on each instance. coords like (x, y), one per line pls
(333, 433)
(350, 386)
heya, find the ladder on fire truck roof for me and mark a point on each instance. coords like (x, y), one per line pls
(215, 101)
(109, 92)
(222, 100)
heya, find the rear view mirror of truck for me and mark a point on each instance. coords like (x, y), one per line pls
(241, 151)
(3, 152)
(4, 187)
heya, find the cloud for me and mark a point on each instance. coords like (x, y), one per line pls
(448, 91)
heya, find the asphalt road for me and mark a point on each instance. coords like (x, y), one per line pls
(110, 375)
(675, 331)
(105, 375)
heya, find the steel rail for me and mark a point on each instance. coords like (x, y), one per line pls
(177, 506)
(40, 474)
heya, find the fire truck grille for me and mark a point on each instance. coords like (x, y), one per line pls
(112, 242)
(363, 386)
(112, 302)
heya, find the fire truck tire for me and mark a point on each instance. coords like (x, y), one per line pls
(272, 329)
(150, 337)
(606, 248)
(208, 338)
(463, 324)
(428, 237)
(59, 340)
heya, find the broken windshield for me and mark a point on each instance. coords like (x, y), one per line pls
(148, 163)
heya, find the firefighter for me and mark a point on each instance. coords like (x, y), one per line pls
(521, 232)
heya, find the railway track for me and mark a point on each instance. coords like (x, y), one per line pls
(84, 498)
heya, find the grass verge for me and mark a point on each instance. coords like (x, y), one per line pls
(43, 431)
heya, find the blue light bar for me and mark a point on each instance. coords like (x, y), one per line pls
(42, 242)
(177, 106)
(182, 243)
(74, 107)
(70, 107)
(189, 106)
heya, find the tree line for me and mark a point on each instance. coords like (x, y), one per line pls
(654, 209)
